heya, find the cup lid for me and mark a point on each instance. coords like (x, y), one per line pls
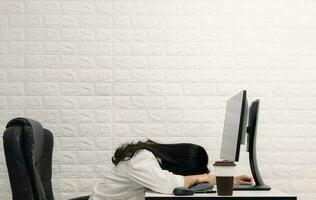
(224, 163)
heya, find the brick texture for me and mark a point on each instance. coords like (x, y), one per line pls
(100, 73)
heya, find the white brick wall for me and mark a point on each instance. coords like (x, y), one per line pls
(98, 73)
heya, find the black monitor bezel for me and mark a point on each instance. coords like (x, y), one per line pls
(241, 123)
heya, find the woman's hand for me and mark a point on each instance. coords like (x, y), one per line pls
(243, 180)
(202, 178)
(207, 178)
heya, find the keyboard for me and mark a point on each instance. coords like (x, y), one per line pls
(202, 188)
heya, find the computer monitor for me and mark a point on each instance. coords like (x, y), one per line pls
(235, 129)
(235, 126)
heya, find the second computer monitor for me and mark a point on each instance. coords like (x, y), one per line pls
(235, 125)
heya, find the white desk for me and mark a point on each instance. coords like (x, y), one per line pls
(273, 194)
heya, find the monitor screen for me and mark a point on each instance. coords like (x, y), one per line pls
(234, 126)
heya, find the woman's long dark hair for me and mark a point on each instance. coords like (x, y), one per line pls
(181, 158)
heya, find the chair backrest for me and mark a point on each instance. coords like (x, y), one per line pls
(28, 149)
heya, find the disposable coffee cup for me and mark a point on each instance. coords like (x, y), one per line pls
(224, 172)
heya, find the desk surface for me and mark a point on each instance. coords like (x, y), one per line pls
(237, 195)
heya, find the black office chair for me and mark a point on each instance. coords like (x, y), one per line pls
(28, 149)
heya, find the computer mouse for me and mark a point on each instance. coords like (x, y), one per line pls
(182, 191)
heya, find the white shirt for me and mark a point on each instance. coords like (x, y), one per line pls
(129, 179)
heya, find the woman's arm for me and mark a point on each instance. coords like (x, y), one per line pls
(144, 169)
(211, 178)
(202, 178)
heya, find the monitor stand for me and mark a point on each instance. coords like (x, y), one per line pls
(251, 148)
